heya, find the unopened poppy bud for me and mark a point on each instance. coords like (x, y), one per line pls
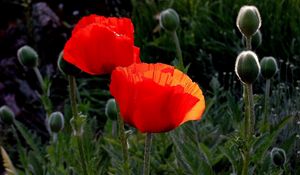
(278, 156)
(247, 67)
(111, 109)
(28, 57)
(169, 20)
(255, 41)
(56, 122)
(248, 20)
(66, 67)
(268, 67)
(7, 115)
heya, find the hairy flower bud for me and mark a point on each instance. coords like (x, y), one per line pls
(169, 20)
(248, 20)
(27, 56)
(7, 115)
(268, 67)
(278, 156)
(77, 124)
(111, 109)
(66, 67)
(56, 122)
(247, 67)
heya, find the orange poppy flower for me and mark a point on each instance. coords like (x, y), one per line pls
(156, 97)
(99, 44)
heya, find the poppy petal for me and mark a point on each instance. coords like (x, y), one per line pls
(156, 97)
(121, 26)
(136, 56)
(99, 44)
(97, 50)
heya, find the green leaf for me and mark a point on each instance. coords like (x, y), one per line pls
(35, 165)
(207, 154)
(277, 128)
(231, 156)
(260, 146)
(30, 139)
(263, 143)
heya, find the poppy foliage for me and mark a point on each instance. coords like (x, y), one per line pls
(156, 97)
(99, 44)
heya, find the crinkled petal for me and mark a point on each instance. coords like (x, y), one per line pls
(156, 97)
(97, 50)
(120, 26)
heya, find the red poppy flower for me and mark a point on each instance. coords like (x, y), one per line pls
(99, 44)
(156, 97)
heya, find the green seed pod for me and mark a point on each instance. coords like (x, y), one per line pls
(111, 109)
(28, 57)
(268, 67)
(66, 67)
(278, 156)
(247, 67)
(169, 20)
(56, 122)
(7, 115)
(248, 20)
(256, 40)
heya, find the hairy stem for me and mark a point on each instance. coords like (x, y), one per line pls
(247, 121)
(39, 77)
(147, 150)
(266, 107)
(251, 108)
(248, 43)
(178, 51)
(249, 111)
(123, 142)
(249, 126)
(81, 153)
(44, 96)
(249, 118)
(245, 163)
(72, 89)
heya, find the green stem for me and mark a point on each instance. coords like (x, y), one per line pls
(266, 107)
(72, 89)
(249, 118)
(44, 96)
(123, 142)
(245, 163)
(249, 125)
(246, 108)
(248, 43)
(81, 153)
(249, 111)
(39, 77)
(147, 150)
(178, 51)
(251, 108)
